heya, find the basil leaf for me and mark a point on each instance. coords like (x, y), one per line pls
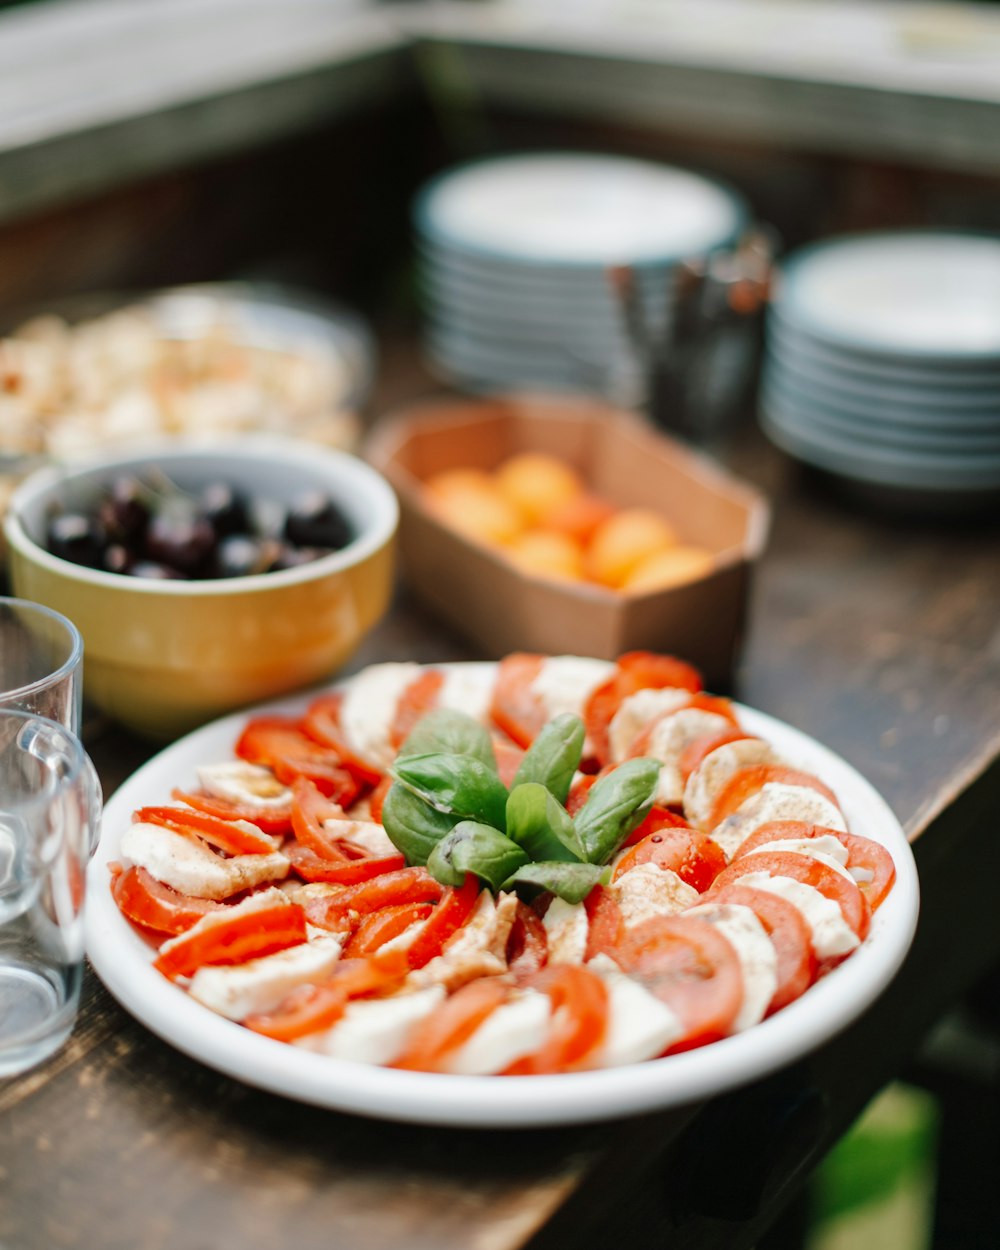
(413, 826)
(539, 823)
(476, 848)
(554, 756)
(572, 882)
(614, 806)
(459, 784)
(447, 732)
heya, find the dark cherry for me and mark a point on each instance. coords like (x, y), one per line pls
(241, 555)
(225, 509)
(180, 537)
(124, 511)
(76, 537)
(315, 521)
(117, 559)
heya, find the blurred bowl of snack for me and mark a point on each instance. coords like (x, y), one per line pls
(541, 523)
(204, 578)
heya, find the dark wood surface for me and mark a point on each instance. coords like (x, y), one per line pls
(877, 635)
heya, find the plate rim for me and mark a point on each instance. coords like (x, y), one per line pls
(122, 961)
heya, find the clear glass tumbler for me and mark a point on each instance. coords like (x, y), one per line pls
(50, 808)
(41, 662)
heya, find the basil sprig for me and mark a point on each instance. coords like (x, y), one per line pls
(447, 808)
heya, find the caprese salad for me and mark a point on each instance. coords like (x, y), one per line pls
(547, 865)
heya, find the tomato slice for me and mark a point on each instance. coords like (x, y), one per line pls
(312, 867)
(419, 697)
(515, 707)
(405, 885)
(150, 903)
(605, 923)
(508, 756)
(310, 1008)
(379, 927)
(579, 792)
(441, 1033)
(276, 821)
(696, 751)
(598, 714)
(870, 858)
(527, 944)
(377, 798)
(227, 836)
(322, 723)
(830, 883)
(658, 818)
(695, 858)
(690, 966)
(310, 808)
(746, 782)
(636, 670)
(280, 743)
(579, 999)
(453, 910)
(789, 934)
(233, 936)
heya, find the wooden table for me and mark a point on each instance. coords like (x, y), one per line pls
(880, 638)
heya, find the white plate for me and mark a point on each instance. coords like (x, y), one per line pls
(123, 962)
(910, 294)
(567, 209)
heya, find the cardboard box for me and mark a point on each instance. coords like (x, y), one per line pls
(622, 458)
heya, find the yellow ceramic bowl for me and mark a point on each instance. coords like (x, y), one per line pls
(165, 656)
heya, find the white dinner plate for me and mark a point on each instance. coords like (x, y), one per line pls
(123, 961)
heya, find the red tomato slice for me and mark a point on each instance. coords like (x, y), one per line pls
(279, 743)
(225, 938)
(406, 885)
(322, 723)
(277, 821)
(598, 714)
(441, 1033)
(310, 808)
(508, 756)
(789, 934)
(695, 752)
(310, 1008)
(746, 782)
(605, 924)
(579, 999)
(658, 818)
(691, 967)
(694, 857)
(715, 704)
(150, 903)
(636, 670)
(453, 910)
(578, 793)
(830, 883)
(379, 927)
(515, 708)
(871, 858)
(527, 944)
(312, 867)
(377, 798)
(223, 834)
(419, 697)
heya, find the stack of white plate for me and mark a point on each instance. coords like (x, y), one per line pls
(882, 361)
(514, 254)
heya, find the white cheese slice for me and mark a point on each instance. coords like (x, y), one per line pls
(567, 928)
(191, 867)
(467, 690)
(776, 801)
(369, 709)
(564, 683)
(376, 1030)
(241, 782)
(755, 951)
(831, 935)
(706, 782)
(826, 849)
(639, 710)
(640, 1026)
(667, 740)
(477, 949)
(512, 1030)
(647, 891)
(240, 990)
(366, 834)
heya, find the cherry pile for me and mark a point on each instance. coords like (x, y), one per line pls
(152, 528)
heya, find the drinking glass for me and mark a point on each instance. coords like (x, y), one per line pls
(41, 662)
(50, 807)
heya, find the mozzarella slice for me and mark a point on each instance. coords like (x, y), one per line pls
(755, 951)
(369, 709)
(832, 937)
(647, 891)
(191, 867)
(567, 928)
(514, 1029)
(564, 683)
(366, 834)
(667, 741)
(639, 710)
(776, 801)
(705, 784)
(478, 949)
(240, 990)
(376, 1030)
(826, 849)
(244, 783)
(640, 1026)
(469, 691)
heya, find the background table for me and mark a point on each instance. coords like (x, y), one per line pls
(877, 636)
